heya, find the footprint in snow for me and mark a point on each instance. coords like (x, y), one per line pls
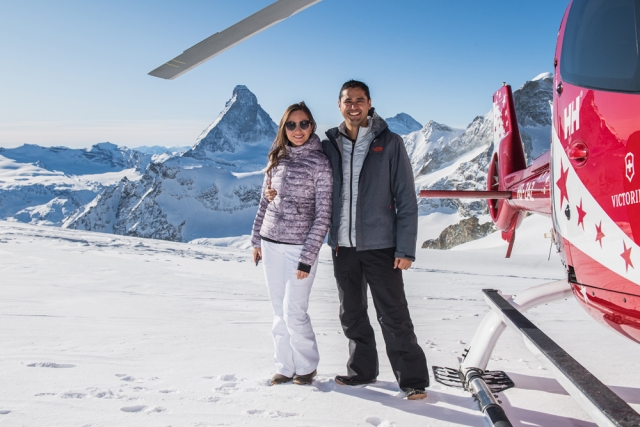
(226, 387)
(125, 377)
(378, 422)
(227, 377)
(72, 395)
(50, 365)
(101, 394)
(135, 408)
(167, 391)
(271, 414)
(264, 382)
(324, 385)
(4, 412)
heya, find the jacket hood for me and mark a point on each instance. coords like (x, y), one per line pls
(312, 144)
(378, 126)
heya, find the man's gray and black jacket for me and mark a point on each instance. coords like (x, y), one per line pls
(386, 206)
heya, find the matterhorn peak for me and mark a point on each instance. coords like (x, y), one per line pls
(243, 91)
(241, 135)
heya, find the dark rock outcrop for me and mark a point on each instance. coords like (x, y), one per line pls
(465, 231)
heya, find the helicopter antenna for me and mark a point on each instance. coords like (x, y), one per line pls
(237, 33)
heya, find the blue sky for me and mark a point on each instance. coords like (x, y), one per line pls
(75, 71)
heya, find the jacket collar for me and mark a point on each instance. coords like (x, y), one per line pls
(378, 125)
(312, 144)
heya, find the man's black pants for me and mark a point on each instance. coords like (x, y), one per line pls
(353, 270)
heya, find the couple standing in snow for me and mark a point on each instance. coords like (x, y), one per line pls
(357, 184)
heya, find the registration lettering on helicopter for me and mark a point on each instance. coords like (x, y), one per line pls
(525, 191)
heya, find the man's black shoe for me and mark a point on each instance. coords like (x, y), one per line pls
(415, 393)
(344, 380)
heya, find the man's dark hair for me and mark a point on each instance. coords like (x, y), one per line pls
(355, 84)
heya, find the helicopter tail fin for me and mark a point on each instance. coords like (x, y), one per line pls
(508, 157)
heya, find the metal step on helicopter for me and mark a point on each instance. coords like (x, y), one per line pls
(586, 184)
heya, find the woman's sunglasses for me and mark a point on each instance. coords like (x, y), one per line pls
(291, 126)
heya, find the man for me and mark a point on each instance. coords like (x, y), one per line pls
(374, 226)
(373, 235)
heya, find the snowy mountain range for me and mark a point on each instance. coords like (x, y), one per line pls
(445, 159)
(45, 185)
(101, 158)
(212, 188)
(158, 149)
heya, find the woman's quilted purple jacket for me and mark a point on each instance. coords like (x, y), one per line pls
(301, 212)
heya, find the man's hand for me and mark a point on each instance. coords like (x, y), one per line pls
(270, 193)
(402, 263)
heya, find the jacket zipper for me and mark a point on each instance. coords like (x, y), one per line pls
(353, 150)
(351, 183)
(282, 196)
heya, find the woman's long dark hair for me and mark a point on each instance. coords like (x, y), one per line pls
(279, 146)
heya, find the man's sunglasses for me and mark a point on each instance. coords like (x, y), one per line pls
(291, 126)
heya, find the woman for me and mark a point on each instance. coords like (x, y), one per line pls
(288, 233)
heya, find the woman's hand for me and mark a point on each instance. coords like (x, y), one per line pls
(257, 255)
(302, 275)
(270, 193)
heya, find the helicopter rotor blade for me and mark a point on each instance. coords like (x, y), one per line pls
(237, 33)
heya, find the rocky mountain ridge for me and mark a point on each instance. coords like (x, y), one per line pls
(403, 124)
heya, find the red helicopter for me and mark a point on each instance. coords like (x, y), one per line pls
(586, 183)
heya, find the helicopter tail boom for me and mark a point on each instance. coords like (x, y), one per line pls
(513, 189)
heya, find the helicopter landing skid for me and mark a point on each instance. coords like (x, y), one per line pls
(497, 381)
(602, 405)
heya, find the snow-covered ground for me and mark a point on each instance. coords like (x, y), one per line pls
(105, 330)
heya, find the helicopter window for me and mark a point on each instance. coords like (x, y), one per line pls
(600, 48)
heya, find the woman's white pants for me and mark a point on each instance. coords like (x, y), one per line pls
(296, 350)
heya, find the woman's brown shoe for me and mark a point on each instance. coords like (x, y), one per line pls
(304, 379)
(280, 379)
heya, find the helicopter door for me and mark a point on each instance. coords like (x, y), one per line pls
(596, 139)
